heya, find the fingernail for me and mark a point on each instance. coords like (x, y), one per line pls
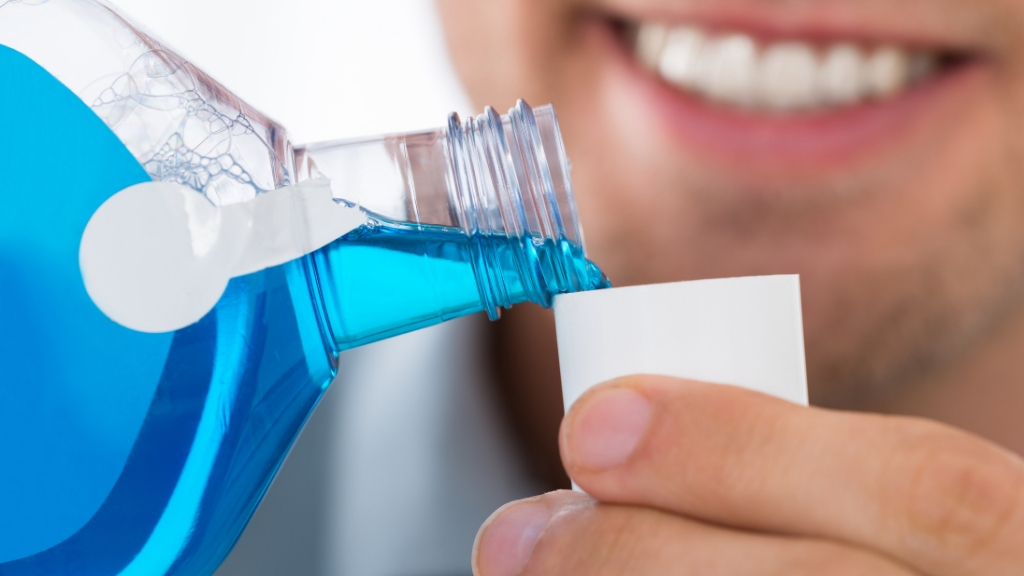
(508, 538)
(608, 429)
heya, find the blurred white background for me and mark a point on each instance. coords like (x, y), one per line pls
(325, 69)
(407, 454)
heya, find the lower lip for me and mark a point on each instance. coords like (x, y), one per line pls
(753, 141)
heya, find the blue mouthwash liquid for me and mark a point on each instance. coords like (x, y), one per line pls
(385, 276)
(141, 454)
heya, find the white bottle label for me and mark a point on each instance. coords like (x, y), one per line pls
(156, 257)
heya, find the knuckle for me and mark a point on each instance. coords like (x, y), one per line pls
(960, 495)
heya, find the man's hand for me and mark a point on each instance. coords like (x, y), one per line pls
(694, 478)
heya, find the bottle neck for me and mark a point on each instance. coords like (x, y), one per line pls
(477, 216)
(511, 190)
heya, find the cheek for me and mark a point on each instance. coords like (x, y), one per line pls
(961, 193)
(505, 50)
(930, 262)
(628, 202)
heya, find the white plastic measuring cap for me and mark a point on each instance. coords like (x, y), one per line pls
(742, 331)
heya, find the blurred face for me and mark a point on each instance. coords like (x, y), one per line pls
(875, 147)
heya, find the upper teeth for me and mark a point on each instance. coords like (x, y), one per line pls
(790, 75)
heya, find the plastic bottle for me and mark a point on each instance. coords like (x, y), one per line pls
(123, 452)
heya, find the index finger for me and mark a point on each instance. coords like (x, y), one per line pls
(939, 499)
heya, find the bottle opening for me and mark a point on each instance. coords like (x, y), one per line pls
(512, 181)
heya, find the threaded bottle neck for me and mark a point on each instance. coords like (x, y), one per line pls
(511, 191)
(477, 215)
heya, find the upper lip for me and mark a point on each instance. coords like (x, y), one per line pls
(862, 21)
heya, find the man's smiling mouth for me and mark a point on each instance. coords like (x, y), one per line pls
(787, 76)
